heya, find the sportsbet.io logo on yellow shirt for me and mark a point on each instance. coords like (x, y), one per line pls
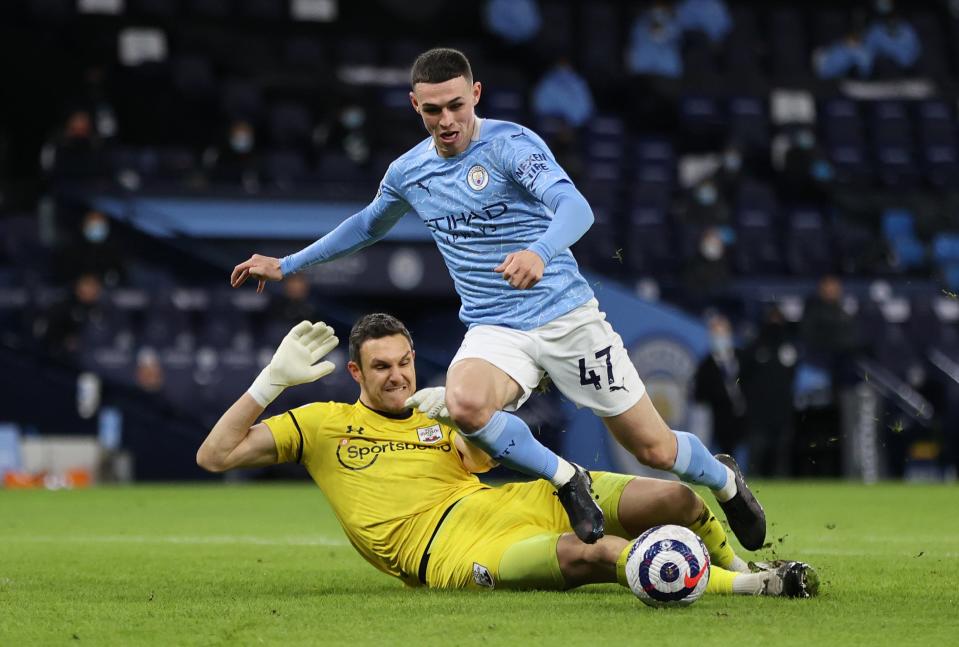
(360, 453)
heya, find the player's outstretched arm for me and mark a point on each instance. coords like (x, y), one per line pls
(360, 230)
(262, 268)
(234, 440)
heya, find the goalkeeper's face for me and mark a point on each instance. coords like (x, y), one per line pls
(386, 375)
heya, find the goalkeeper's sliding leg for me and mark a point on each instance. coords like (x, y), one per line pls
(633, 505)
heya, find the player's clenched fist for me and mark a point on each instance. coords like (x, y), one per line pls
(522, 270)
(263, 268)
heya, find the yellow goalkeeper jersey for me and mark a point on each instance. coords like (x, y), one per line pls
(389, 480)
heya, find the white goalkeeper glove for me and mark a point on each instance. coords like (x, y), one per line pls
(295, 361)
(432, 402)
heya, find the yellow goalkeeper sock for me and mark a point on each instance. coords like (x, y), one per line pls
(621, 565)
(720, 580)
(714, 537)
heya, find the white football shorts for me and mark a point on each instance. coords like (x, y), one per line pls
(583, 355)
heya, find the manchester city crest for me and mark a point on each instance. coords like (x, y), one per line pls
(477, 178)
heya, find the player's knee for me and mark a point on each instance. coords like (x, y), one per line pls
(469, 409)
(684, 501)
(578, 560)
(659, 456)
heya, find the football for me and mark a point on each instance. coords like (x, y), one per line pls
(668, 566)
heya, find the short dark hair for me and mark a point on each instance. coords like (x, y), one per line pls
(375, 326)
(440, 64)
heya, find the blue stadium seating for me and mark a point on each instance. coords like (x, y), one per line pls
(285, 167)
(808, 248)
(211, 8)
(267, 10)
(241, 99)
(758, 249)
(193, 76)
(306, 53)
(601, 45)
(153, 8)
(290, 123)
(787, 41)
(748, 122)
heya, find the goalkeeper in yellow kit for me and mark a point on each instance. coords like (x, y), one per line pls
(403, 484)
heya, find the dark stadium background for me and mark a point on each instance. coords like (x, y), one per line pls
(127, 109)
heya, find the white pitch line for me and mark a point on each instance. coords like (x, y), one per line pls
(900, 539)
(168, 539)
(852, 552)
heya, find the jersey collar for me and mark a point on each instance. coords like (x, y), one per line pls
(475, 138)
(386, 414)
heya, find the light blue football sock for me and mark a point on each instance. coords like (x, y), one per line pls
(509, 440)
(694, 463)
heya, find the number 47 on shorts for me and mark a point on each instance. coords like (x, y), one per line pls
(592, 378)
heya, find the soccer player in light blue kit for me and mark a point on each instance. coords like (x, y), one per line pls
(504, 214)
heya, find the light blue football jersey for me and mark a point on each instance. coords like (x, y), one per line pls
(480, 206)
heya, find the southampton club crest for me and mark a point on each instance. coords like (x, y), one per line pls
(429, 435)
(477, 178)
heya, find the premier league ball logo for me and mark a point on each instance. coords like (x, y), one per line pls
(667, 566)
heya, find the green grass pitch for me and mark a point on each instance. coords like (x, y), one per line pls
(267, 564)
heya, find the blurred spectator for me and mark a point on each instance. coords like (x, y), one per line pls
(828, 331)
(807, 173)
(705, 205)
(345, 131)
(565, 94)
(769, 368)
(566, 149)
(732, 166)
(92, 250)
(234, 160)
(710, 17)
(515, 21)
(707, 273)
(892, 42)
(62, 325)
(295, 304)
(149, 372)
(655, 59)
(75, 151)
(716, 385)
(350, 133)
(654, 44)
(849, 57)
(104, 115)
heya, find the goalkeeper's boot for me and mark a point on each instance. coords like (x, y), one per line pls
(788, 579)
(745, 516)
(585, 515)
